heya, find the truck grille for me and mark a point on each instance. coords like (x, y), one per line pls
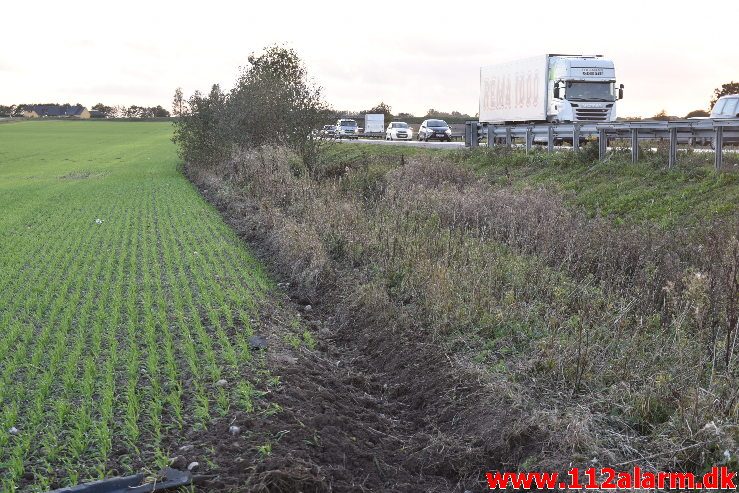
(591, 114)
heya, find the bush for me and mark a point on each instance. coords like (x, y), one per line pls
(272, 103)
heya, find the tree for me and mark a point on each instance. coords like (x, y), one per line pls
(725, 89)
(107, 111)
(272, 103)
(275, 103)
(178, 103)
(662, 116)
(382, 108)
(158, 112)
(697, 113)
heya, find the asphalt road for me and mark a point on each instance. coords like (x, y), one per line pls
(460, 144)
(410, 143)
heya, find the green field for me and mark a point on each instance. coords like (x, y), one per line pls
(124, 299)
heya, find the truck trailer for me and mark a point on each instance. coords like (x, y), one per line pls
(549, 88)
(374, 125)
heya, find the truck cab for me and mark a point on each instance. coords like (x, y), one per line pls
(549, 88)
(582, 89)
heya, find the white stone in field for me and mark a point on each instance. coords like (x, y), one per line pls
(221, 383)
(193, 465)
(13, 430)
(234, 430)
(98, 221)
(308, 308)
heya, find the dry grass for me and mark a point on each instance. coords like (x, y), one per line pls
(618, 341)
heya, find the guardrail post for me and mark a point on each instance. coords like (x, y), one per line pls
(634, 145)
(529, 138)
(719, 147)
(602, 143)
(550, 138)
(576, 137)
(673, 148)
(508, 138)
(470, 133)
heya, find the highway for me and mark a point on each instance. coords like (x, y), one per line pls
(460, 145)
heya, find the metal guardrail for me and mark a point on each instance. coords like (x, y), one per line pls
(715, 131)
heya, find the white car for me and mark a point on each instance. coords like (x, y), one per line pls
(398, 131)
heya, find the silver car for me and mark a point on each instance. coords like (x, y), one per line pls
(726, 107)
(346, 129)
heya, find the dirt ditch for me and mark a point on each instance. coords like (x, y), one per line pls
(373, 407)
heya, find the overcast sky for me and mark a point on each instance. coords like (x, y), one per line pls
(412, 55)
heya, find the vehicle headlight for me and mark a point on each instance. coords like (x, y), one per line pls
(448, 131)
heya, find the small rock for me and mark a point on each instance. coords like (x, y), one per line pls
(192, 466)
(13, 430)
(257, 342)
(221, 383)
(98, 221)
(178, 462)
(283, 359)
(234, 430)
(308, 308)
(186, 448)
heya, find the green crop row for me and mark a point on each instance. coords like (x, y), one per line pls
(124, 299)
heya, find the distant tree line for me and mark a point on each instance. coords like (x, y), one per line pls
(133, 111)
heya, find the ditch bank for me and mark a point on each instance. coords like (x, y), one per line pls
(485, 327)
(374, 406)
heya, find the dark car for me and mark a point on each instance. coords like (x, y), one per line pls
(328, 131)
(434, 130)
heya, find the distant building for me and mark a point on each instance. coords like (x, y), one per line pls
(56, 110)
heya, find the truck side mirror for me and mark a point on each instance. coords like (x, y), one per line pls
(556, 90)
(621, 92)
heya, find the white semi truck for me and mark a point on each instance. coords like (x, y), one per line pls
(549, 88)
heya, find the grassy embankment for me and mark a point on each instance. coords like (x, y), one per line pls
(599, 300)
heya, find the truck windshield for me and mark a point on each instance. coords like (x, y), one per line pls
(590, 91)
